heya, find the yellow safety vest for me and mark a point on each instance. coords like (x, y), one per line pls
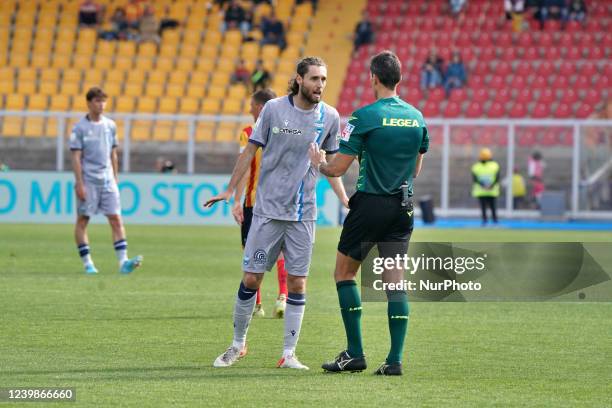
(485, 173)
(518, 186)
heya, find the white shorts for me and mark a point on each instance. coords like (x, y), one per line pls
(268, 237)
(99, 198)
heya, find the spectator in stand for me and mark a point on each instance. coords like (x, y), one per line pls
(363, 32)
(535, 171)
(431, 72)
(576, 10)
(455, 74)
(241, 74)
(260, 77)
(149, 27)
(514, 11)
(90, 14)
(165, 166)
(235, 18)
(120, 27)
(133, 13)
(456, 6)
(550, 9)
(273, 31)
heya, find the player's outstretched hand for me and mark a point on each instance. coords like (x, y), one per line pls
(317, 156)
(238, 213)
(80, 191)
(224, 196)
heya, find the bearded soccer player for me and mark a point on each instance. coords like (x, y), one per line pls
(389, 138)
(285, 210)
(243, 212)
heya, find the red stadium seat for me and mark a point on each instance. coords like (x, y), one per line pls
(545, 68)
(569, 97)
(591, 97)
(480, 95)
(502, 96)
(566, 68)
(582, 82)
(502, 68)
(541, 111)
(474, 110)
(431, 109)
(461, 136)
(524, 96)
(496, 110)
(526, 137)
(523, 68)
(436, 95)
(546, 96)
(458, 95)
(539, 82)
(563, 111)
(452, 110)
(518, 110)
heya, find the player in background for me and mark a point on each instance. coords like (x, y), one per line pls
(389, 138)
(243, 212)
(93, 143)
(285, 210)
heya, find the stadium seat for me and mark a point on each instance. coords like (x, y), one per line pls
(12, 126)
(34, 126)
(162, 130)
(167, 105)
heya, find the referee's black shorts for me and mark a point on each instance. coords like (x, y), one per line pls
(246, 223)
(375, 219)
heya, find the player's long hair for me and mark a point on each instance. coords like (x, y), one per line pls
(302, 69)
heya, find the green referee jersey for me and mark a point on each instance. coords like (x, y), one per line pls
(387, 137)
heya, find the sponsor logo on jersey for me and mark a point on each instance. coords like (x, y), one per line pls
(400, 122)
(346, 133)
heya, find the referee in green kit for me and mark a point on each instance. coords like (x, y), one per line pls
(389, 138)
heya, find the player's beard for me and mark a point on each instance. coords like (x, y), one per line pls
(308, 96)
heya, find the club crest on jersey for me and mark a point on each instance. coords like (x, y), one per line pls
(260, 257)
(346, 133)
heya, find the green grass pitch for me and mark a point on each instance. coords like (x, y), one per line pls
(149, 339)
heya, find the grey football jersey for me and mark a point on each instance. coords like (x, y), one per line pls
(96, 141)
(287, 181)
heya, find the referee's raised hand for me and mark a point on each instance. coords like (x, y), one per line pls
(224, 196)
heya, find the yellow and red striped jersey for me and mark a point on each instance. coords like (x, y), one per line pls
(251, 185)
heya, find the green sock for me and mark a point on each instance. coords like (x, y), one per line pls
(397, 312)
(350, 307)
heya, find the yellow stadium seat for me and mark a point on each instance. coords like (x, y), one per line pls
(143, 63)
(82, 61)
(106, 48)
(71, 88)
(88, 35)
(291, 53)
(262, 10)
(189, 51)
(178, 11)
(26, 87)
(181, 131)
(167, 105)
(232, 107)
(227, 133)
(49, 74)
(171, 37)
(22, 34)
(141, 130)
(154, 90)
(72, 75)
(92, 77)
(124, 63)
(216, 92)
(205, 131)
(85, 48)
(132, 89)
(147, 50)
(41, 60)
(189, 105)
(249, 51)
(211, 106)
(115, 75)
(61, 60)
(146, 104)
(27, 74)
(299, 25)
(199, 78)
(168, 51)
(184, 64)
(175, 90)
(195, 91)
(15, 102)
(232, 38)
(237, 92)
(269, 52)
(213, 25)
(178, 77)
(212, 37)
(7, 74)
(112, 88)
(34, 127)
(124, 104)
(6, 87)
(157, 77)
(44, 40)
(193, 37)
(46, 19)
(230, 52)
(209, 51)
(286, 66)
(220, 79)
(126, 48)
(195, 22)
(38, 102)
(162, 130)
(60, 103)
(270, 65)
(12, 126)
(65, 36)
(164, 64)
(205, 65)
(225, 66)
(47, 87)
(19, 60)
